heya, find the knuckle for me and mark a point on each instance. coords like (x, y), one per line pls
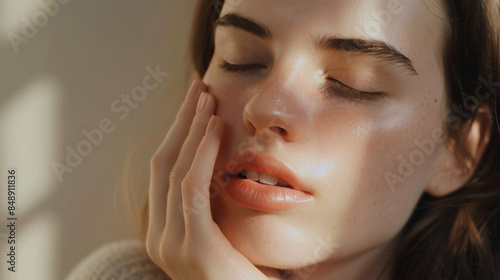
(157, 162)
(186, 186)
(176, 174)
(195, 198)
(188, 182)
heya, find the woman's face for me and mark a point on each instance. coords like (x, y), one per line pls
(356, 121)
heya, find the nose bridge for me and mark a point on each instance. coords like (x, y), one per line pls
(279, 105)
(291, 74)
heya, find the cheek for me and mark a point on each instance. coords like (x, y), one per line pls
(228, 95)
(376, 171)
(230, 103)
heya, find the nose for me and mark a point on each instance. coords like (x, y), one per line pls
(277, 112)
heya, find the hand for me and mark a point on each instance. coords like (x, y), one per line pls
(182, 238)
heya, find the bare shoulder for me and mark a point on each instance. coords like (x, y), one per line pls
(125, 259)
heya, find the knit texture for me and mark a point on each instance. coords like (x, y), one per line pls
(121, 260)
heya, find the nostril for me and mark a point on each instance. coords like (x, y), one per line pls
(278, 130)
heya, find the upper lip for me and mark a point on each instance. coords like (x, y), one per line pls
(252, 161)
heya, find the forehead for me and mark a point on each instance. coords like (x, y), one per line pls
(414, 27)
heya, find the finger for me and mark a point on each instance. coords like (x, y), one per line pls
(205, 108)
(195, 186)
(168, 150)
(164, 157)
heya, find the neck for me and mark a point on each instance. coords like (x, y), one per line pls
(373, 264)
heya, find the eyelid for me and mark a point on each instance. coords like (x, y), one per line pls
(239, 68)
(332, 80)
(253, 57)
(333, 87)
(359, 79)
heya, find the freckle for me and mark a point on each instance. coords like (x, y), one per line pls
(374, 203)
(435, 100)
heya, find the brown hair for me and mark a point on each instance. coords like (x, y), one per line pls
(457, 236)
(451, 237)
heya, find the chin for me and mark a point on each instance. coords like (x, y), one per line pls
(261, 247)
(266, 238)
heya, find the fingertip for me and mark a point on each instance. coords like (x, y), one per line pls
(211, 124)
(197, 86)
(215, 124)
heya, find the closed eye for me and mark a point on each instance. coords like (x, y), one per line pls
(334, 87)
(237, 68)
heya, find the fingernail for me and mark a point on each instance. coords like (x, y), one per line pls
(202, 102)
(192, 90)
(211, 125)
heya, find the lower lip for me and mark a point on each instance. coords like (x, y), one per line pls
(265, 197)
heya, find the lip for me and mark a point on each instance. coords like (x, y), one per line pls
(261, 196)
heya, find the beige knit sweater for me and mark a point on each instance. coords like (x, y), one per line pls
(121, 260)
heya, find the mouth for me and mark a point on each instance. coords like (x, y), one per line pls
(263, 178)
(264, 183)
(261, 196)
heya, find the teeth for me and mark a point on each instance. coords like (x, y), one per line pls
(268, 179)
(252, 175)
(263, 178)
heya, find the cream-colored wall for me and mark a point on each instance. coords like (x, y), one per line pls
(60, 78)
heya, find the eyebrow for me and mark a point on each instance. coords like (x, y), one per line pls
(369, 47)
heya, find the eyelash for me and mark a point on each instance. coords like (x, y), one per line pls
(237, 68)
(331, 88)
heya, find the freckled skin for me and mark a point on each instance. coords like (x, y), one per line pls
(342, 148)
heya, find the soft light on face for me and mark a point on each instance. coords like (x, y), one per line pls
(349, 120)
